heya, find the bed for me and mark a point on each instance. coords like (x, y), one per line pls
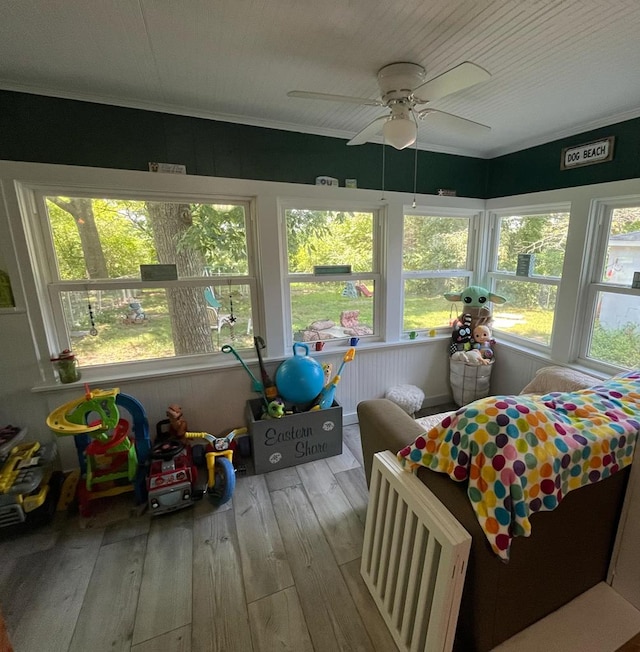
(567, 552)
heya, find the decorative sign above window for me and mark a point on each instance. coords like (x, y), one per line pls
(599, 151)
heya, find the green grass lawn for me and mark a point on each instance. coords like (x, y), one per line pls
(118, 341)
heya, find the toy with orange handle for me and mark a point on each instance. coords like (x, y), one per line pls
(325, 400)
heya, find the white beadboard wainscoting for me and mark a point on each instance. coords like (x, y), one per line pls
(214, 400)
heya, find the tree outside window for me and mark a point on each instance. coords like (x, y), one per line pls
(108, 314)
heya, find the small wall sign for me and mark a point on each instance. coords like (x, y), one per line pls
(332, 269)
(167, 168)
(598, 151)
(327, 181)
(158, 273)
(525, 264)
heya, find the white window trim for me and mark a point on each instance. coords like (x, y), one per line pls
(40, 245)
(493, 274)
(15, 247)
(599, 227)
(376, 274)
(467, 274)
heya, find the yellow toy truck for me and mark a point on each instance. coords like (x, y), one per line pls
(29, 487)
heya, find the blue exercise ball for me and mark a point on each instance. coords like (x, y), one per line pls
(301, 378)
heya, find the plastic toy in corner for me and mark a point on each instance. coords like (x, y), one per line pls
(29, 486)
(108, 458)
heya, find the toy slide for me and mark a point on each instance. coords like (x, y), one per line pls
(363, 289)
(69, 419)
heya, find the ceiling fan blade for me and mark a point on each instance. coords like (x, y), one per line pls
(308, 95)
(453, 122)
(370, 130)
(462, 76)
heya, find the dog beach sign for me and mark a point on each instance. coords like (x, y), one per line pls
(598, 151)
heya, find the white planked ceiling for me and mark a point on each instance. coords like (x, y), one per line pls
(559, 67)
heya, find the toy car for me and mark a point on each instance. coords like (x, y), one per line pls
(172, 477)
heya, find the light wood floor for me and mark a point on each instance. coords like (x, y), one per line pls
(277, 568)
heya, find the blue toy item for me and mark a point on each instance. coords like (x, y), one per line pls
(299, 379)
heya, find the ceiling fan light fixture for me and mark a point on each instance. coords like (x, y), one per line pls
(400, 132)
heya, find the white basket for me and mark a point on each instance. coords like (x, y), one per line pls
(468, 381)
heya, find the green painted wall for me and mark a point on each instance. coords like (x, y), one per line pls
(538, 168)
(51, 130)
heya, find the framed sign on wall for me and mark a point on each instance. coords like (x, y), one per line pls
(598, 151)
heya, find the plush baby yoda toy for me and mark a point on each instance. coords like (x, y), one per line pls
(474, 296)
(475, 299)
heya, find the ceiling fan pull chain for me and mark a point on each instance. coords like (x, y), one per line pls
(383, 148)
(415, 165)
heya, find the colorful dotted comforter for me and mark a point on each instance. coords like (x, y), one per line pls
(522, 454)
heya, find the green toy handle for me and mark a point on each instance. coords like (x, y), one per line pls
(257, 385)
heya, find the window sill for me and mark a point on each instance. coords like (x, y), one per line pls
(97, 377)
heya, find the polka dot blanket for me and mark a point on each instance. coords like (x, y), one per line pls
(522, 454)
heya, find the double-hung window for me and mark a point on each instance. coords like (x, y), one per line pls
(612, 325)
(128, 278)
(333, 275)
(437, 257)
(527, 256)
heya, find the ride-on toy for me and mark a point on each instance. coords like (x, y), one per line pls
(29, 487)
(221, 476)
(173, 474)
(111, 461)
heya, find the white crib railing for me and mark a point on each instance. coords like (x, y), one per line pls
(414, 559)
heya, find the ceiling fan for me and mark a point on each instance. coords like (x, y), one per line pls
(403, 90)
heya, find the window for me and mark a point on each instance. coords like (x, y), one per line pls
(613, 335)
(335, 304)
(436, 258)
(526, 269)
(107, 311)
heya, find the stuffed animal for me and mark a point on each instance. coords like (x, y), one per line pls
(470, 357)
(474, 296)
(461, 335)
(476, 313)
(482, 341)
(177, 424)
